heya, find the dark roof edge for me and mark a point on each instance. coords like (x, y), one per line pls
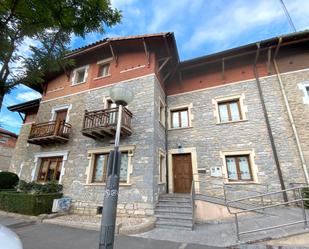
(3, 131)
(253, 45)
(25, 106)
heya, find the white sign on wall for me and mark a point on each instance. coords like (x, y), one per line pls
(215, 171)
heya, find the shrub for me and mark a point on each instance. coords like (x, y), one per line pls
(36, 188)
(26, 203)
(305, 192)
(8, 180)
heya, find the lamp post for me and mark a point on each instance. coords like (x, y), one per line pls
(121, 95)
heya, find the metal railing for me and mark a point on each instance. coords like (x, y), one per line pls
(193, 202)
(300, 199)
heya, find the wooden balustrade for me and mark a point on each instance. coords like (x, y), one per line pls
(102, 123)
(49, 133)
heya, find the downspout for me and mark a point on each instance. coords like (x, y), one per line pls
(291, 119)
(270, 134)
(166, 144)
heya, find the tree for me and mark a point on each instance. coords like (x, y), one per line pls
(50, 24)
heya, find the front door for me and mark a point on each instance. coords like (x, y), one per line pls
(182, 173)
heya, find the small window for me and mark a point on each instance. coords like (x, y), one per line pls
(103, 70)
(3, 140)
(180, 118)
(162, 112)
(80, 75)
(238, 168)
(100, 168)
(307, 90)
(161, 168)
(50, 169)
(229, 111)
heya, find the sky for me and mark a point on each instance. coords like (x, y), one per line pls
(200, 27)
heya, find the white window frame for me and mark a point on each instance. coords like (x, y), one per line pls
(60, 108)
(302, 86)
(243, 108)
(175, 108)
(161, 154)
(130, 149)
(104, 62)
(86, 68)
(162, 118)
(254, 168)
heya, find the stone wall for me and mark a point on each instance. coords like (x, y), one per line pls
(210, 138)
(137, 197)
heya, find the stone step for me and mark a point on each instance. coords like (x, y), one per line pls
(174, 205)
(175, 201)
(173, 211)
(174, 225)
(174, 218)
(175, 198)
(176, 195)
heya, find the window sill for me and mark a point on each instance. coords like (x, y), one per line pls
(102, 77)
(103, 184)
(79, 83)
(161, 183)
(180, 128)
(232, 122)
(242, 183)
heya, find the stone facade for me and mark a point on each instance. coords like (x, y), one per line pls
(7, 146)
(211, 139)
(136, 197)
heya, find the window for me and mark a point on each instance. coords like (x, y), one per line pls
(50, 169)
(229, 111)
(103, 70)
(307, 90)
(238, 168)
(180, 118)
(161, 167)
(100, 168)
(162, 112)
(80, 75)
(3, 140)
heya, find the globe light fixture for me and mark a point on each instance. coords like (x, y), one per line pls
(121, 95)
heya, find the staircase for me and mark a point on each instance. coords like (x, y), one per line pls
(174, 211)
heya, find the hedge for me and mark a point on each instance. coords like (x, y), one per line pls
(29, 204)
(306, 195)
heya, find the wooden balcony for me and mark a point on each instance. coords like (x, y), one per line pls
(49, 133)
(103, 123)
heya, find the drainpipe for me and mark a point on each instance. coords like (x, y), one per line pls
(166, 144)
(291, 119)
(270, 134)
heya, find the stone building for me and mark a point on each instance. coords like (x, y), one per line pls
(225, 118)
(7, 145)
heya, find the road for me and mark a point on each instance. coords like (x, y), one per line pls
(47, 236)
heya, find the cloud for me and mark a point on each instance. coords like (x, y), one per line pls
(10, 121)
(27, 96)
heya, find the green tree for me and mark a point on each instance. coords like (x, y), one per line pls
(51, 25)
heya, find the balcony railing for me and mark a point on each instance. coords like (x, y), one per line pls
(49, 133)
(102, 123)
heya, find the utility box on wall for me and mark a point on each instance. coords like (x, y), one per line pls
(215, 172)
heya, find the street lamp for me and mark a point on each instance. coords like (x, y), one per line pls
(121, 95)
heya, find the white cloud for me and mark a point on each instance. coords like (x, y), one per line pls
(10, 121)
(27, 96)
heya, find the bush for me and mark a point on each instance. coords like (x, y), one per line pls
(305, 192)
(26, 203)
(37, 188)
(8, 180)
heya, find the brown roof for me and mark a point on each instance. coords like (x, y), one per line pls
(107, 40)
(3, 131)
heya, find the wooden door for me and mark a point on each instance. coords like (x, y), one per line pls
(61, 115)
(182, 173)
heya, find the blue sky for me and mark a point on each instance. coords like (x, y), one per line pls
(201, 27)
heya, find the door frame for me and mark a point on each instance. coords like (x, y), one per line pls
(171, 152)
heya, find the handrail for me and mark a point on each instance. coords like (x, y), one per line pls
(300, 200)
(193, 202)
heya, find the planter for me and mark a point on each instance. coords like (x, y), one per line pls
(29, 204)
